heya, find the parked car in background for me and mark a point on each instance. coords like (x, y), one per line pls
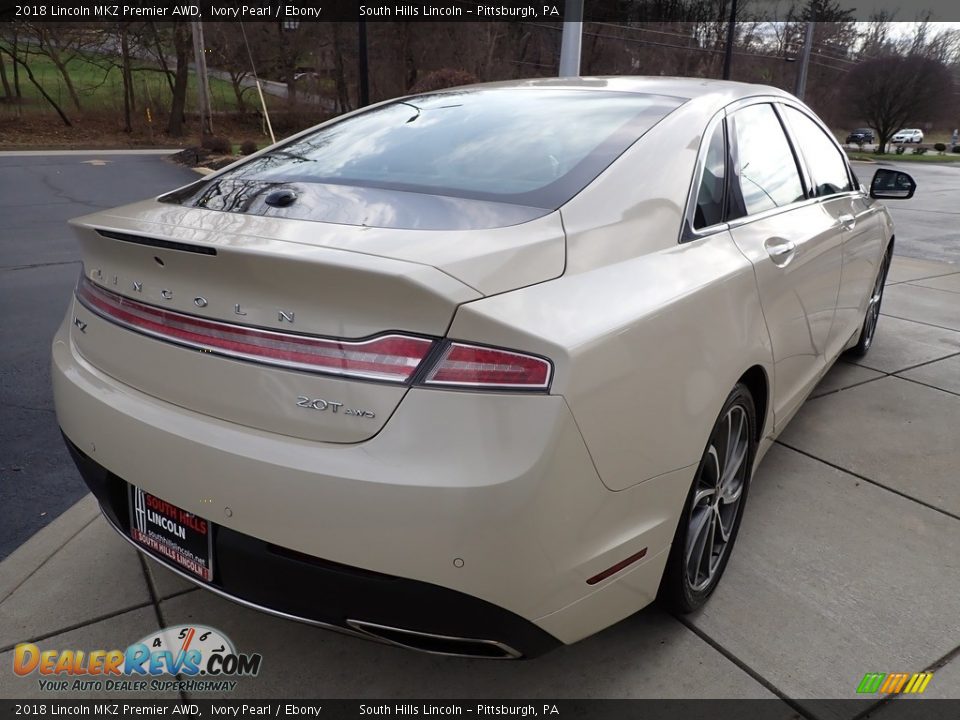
(912, 135)
(477, 372)
(860, 136)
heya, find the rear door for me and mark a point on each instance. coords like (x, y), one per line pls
(794, 245)
(857, 221)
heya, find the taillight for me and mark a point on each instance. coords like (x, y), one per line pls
(389, 357)
(479, 367)
(394, 357)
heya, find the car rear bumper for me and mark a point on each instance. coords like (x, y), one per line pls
(470, 515)
(293, 585)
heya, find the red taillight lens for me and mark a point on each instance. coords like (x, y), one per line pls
(475, 366)
(390, 357)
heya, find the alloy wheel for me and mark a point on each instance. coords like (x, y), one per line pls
(873, 306)
(717, 497)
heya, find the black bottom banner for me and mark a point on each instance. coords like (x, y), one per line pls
(882, 709)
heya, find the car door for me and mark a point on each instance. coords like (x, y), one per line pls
(861, 230)
(794, 245)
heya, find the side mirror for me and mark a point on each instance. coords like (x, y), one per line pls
(892, 185)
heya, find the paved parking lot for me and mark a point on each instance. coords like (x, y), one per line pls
(848, 560)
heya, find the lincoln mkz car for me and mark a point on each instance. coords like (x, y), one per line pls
(478, 372)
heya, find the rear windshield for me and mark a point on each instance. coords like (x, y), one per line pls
(528, 146)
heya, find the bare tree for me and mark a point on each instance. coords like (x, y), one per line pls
(7, 92)
(229, 54)
(17, 60)
(183, 46)
(61, 42)
(129, 101)
(890, 91)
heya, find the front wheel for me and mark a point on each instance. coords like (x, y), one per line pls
(714, 507)
(869, 328)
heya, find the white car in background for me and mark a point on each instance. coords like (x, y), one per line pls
(477, 372)
(910, 135)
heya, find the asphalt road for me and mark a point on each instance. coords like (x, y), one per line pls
(928, 225)
(39, 264)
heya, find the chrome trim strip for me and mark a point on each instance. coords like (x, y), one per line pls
(228, 596)
(264, 332)
(361, 625)
(353, 631)
(687, 231)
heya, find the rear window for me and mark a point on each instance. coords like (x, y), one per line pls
(527, 146)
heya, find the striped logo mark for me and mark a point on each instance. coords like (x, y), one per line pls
(894, 683)
(140, 510)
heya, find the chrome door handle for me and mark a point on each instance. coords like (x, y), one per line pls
(847, 221)
(780, 250)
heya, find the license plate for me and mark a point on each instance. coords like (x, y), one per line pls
(181, 537)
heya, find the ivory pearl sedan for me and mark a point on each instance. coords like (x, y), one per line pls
(477, 372)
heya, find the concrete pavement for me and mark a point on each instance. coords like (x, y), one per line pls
(847, 563)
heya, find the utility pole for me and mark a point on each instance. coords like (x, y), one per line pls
(570, 40)
(203, 82)
(731, 34)
(801, 87)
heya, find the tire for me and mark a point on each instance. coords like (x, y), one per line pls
(714, 506)
(869, 327)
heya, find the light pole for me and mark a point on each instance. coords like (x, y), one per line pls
(570, 40)
(203, 86)
(801, 87)
(731, 34)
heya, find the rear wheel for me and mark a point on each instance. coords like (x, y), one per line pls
(711, 516)
(869, 328)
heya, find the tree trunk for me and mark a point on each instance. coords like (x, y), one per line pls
(236, 80)
(161, 57)
(287, 65)
(16, 68)
(343, 97)
(54, 55)
(184, 46)
(7, 92)
(128, 99)
(46, 95)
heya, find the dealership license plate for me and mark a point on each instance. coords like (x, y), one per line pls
(182, 538)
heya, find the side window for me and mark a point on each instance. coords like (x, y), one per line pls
(766, 170)
(710, 194)
(827, 166)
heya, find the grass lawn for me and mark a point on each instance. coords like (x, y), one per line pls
(931, 156)
(99, 85)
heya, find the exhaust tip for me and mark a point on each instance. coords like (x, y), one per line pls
(437, 644)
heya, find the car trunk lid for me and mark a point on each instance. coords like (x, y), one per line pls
(258, 275)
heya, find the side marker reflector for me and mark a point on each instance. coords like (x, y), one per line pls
(613, 570)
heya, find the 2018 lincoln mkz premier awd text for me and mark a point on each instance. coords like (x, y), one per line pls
(478, 372)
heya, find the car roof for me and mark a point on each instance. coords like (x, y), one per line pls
(718, 93)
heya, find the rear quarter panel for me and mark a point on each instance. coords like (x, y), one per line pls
(645, 350)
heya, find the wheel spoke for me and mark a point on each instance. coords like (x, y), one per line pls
(735, 460)
(696, 542)
(725, 530)
(710, 544)
(703, 494)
